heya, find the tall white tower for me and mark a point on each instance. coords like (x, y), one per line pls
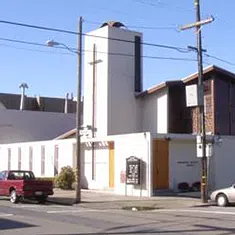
(112, 77)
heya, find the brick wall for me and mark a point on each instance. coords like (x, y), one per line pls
(208, 108)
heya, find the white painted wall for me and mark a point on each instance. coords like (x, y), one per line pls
(124, 110)
(155, 112)
(137, 145)
(184, 166)
(124, 146)
(21, 126)
(101, 80)
(101, 175)
(222, 163)
(117, 110)
(65, 155)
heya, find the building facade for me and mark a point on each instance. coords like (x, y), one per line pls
(154, 125)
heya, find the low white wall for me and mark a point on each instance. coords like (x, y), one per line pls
(65, 155)
(137, 145)
(184, 166)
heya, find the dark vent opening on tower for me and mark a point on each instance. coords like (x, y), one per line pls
(113, 24)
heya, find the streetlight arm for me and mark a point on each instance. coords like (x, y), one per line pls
(52, 43)
(69, 49)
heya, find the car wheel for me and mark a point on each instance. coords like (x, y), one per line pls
(13, 197)
(221, 200)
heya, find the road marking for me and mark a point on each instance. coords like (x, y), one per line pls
(5, 215)
(197, 211)
(79, 211)
(39, 206)
(29, 206)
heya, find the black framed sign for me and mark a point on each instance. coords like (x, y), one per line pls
(133, 170)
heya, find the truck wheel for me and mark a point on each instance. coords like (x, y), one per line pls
(41, 200)
(13, 197)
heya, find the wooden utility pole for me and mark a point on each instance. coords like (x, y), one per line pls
(78, 115)
(201, 105)
(202, 131)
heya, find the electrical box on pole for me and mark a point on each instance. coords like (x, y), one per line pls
(191, 95)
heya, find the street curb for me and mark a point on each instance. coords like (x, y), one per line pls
(53, 201)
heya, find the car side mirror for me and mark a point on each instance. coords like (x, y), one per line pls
(233, 185)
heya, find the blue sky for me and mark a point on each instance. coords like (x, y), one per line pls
(53, 72)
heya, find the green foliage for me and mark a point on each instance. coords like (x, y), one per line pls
(66, 178)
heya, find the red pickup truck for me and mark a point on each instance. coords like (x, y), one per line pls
(23, 184)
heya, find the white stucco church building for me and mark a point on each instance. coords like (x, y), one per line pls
(127, 122)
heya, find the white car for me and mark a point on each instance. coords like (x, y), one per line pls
(224, 196)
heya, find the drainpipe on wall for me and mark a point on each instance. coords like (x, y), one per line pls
(23, 86)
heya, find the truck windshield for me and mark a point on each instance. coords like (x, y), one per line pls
(21, 175)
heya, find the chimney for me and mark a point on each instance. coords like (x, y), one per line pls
(66, 103)
(23, 86)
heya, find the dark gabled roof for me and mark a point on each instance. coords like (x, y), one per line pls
(209, 69)
(159, 87)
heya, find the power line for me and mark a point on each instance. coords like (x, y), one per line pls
(110, 53)
(217, 58)
(30, 49)
(23, 42)
(158, 3)
(100, 52)
(180, 49)
(175, 28)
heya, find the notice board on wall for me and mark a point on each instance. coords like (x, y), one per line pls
(133, 170)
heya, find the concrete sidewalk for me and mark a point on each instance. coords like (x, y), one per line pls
(105, 200)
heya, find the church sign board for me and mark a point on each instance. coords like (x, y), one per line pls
(133, 170)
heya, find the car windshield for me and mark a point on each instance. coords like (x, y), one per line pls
(21, 175)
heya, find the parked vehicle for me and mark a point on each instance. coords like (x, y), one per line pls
(224, 196)
(23, 184)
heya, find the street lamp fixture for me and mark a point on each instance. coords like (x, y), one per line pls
(52, 43)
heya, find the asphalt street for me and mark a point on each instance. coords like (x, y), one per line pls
(30, 218)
